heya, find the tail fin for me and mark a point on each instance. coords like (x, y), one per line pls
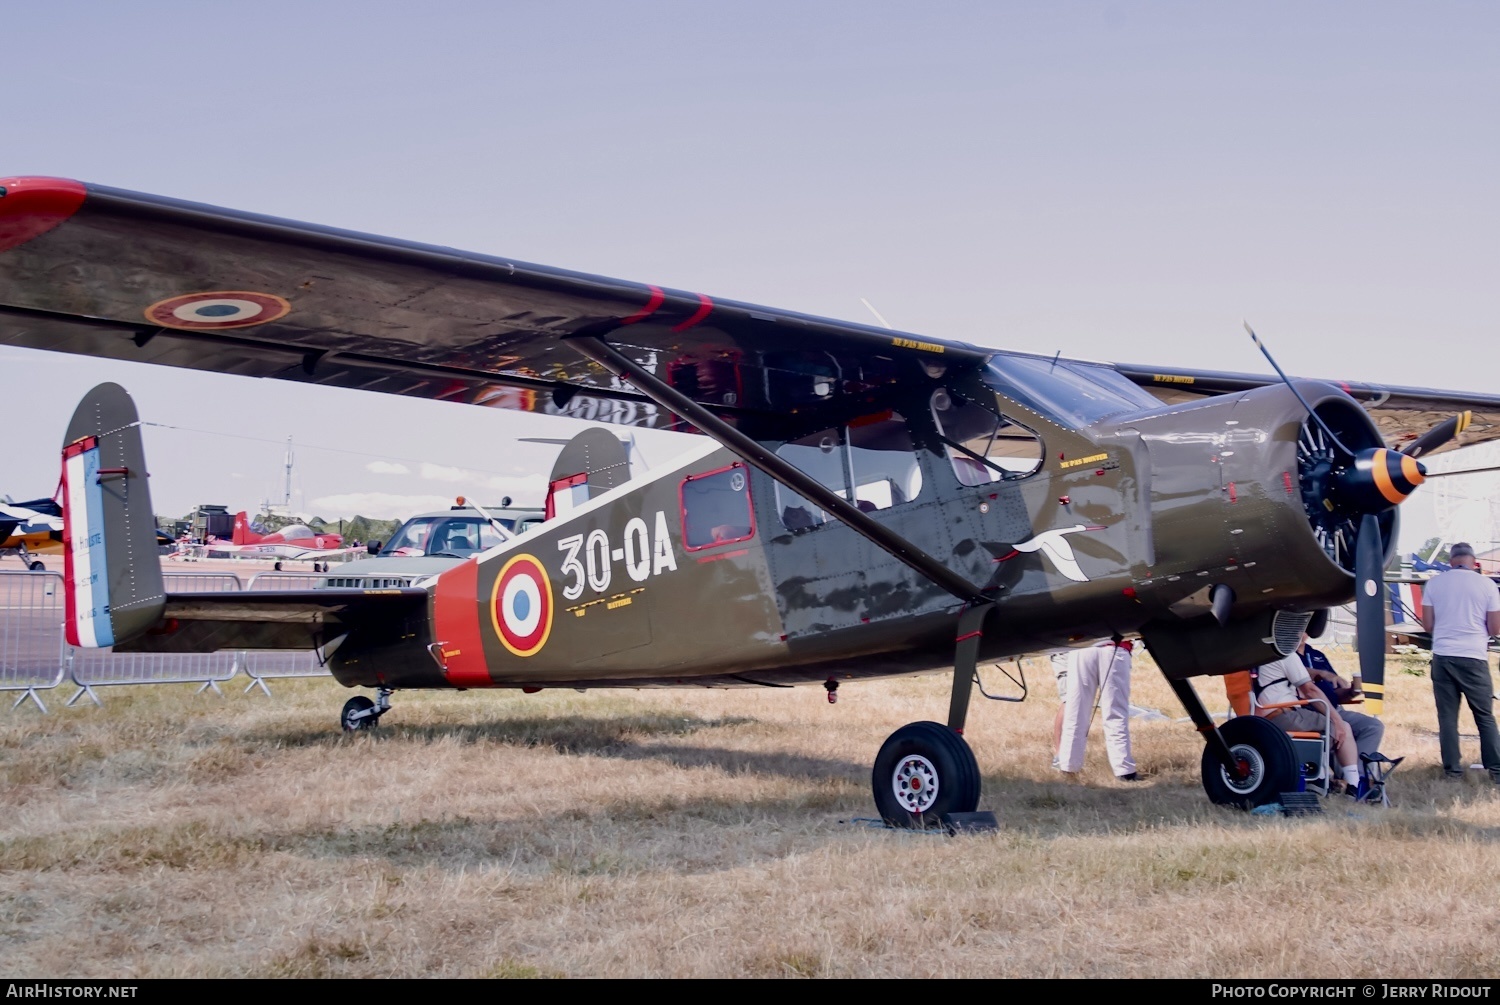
(242, 532)
(113, 582)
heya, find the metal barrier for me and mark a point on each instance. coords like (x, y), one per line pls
(285, 580)
(32, 656)
(91, 668)
(263, 664)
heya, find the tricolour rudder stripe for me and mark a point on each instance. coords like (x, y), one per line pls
(113, 579)
(83, 533)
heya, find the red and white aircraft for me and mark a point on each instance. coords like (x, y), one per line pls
(295, 542)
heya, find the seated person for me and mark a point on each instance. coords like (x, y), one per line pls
(1368, 730)
(1286, 680)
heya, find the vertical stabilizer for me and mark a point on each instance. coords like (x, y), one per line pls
(242, 532)
(112, 573)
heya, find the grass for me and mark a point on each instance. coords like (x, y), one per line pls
(681, 833)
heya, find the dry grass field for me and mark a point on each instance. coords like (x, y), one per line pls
(642, 833)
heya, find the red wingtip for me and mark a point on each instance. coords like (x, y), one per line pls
(29, 207)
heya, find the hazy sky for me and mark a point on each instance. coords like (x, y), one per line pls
(1121, 181)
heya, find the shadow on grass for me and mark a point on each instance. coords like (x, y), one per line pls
(599, 736)
(566, 734)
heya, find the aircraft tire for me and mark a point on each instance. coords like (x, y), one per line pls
(357, 704)
(1271, 757)
(923, 771)
(36, 567)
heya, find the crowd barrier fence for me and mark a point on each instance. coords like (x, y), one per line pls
(270, 664)
(92, 668)
(32, 649)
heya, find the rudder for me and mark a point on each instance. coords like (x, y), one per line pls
(112, 574)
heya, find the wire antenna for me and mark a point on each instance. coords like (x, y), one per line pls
(878, 316)
(1288, 381)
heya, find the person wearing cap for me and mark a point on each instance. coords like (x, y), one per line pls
(1103, 669)
(1462, 610)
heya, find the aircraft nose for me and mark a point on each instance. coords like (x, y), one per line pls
(1379, 479)
(29, 207)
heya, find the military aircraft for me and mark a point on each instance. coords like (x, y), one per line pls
(863, 502)
(294, 542)
(28, 528)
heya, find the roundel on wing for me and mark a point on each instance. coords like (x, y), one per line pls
(521, 605)
(217, 310)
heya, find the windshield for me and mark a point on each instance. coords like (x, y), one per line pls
(1083, 392)
(459, 536)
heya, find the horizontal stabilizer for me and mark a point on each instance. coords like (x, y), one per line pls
(304, 619)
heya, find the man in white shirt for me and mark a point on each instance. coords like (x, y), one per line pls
(1286, 680)
(1461, 608)
(1104, 668)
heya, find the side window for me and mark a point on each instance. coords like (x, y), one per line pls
(822, 456)
(982, 444)
(883, 461)
(716, 508)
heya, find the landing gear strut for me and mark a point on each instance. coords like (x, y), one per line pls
(925, 770)
(1249, 761)
(361, 713)
(32, 564)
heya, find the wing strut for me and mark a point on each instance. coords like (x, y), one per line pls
(794, 478)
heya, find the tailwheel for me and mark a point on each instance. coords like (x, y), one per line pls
(359, 713)
(923, 771)
(1267, 755)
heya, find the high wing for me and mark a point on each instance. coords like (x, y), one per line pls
(1401, 413)
(104, 272)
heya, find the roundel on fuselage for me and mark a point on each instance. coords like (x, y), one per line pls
(521, 606)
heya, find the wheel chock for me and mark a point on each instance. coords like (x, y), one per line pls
(970, 823)
(1300, 804)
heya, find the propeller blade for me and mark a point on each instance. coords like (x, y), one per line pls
(1438, 435)
(1369, 610)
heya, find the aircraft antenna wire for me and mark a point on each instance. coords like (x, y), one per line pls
(1288, 382)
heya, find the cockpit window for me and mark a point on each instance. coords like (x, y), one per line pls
(1081, 392)
(983, 445)
(882, 461)
(874, 455)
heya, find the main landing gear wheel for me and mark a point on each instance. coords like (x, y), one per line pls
(924, 770)
(1266, 752)
(37, 567)
(358, 714)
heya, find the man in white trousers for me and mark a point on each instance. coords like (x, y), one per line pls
(1103, 669)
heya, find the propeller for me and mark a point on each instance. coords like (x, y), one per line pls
(1345, 492)
(1369, 613)
(1438, 435)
